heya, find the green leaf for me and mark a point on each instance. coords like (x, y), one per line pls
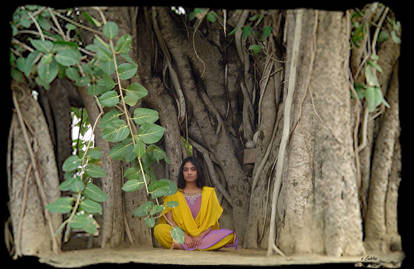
(357, 35)
(150, 222)
(131, 173)
(61, 44)
(16, 75)
(70, 26)
(71, 163)
(92, 228)
(119, 151)
(109, 99)
(395, 37)
(105, 83)
(162, 187)
(127, 70)
(139, 148)
(134, 92)
(359, 88)
(371, 76)
(20, 63)
(42, 45)
(246, 31)
(94, 154)
(61, 205)
(234, 31)
(195, 12)
(379, 98)
(375, 65)
(212, 16)
(93, 192)
(95, 171)
(72, 73)
(29, 61)
(145, 115)
(102, 49)
(91, 19)
(256, 48)
(383, 36)
(47, 72)
(90, 207)
(133, 185)
(93, 90)
(68, 57)
(157, 153)
(172, 204)
(110, 29)
(143, 209)
(80, 221)
(156, 209)
(267, 30)
(123, 44)
(112, 115)
(370, 96)
(47, 58)
(177, 234)
(115, 131)
(39, 81)
(73, 184)
(84, 222)
(150, 133)
(107, 66)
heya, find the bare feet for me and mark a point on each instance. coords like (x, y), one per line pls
(176, 246)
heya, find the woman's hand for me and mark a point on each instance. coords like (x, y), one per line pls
(188, 241)
(197, 240)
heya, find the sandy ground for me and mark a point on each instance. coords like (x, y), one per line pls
(240, 257)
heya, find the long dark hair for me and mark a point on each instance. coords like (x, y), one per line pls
(200, 178)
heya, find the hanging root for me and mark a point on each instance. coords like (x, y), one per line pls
(286, 127)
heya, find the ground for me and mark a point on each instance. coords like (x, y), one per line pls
(239, 257)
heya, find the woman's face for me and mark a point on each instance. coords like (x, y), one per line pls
(189, 172)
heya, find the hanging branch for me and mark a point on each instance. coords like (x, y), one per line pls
(285, 132)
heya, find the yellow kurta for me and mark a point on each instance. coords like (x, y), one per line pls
(208, 216)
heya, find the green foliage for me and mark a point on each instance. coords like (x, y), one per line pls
(61, 205)
(100, 67)
(370, 90)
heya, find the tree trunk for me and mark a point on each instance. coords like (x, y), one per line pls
(33, 231)
(60, 99)
(217, 141)
(112, 222)
(225, 100)
(321, 207)
(380, 221)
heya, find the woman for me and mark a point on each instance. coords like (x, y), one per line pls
(197, 214)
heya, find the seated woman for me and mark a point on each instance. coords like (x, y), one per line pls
(197, 214)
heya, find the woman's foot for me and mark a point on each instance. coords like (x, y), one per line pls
(176, 246)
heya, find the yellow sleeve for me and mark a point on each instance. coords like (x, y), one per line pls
(212, 211)
(166, 199)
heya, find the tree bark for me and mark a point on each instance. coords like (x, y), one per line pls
(218, 143)
(33, 233)
(382, 188)
(320, 208)
(112, 222)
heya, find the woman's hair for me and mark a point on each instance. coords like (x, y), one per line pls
(200, 178)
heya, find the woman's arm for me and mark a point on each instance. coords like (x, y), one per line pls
(170, 219)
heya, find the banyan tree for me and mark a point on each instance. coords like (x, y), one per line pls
(293, 113)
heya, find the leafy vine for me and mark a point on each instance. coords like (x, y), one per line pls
(102, 67)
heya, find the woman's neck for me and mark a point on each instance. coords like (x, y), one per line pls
(191, 187)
